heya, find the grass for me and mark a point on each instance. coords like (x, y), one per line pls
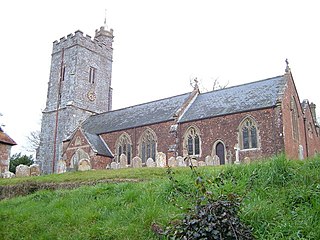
(281, 200)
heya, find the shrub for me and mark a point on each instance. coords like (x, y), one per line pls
(17, 159)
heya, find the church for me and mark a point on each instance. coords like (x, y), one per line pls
(238, 124)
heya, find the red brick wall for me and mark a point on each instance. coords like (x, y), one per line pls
(225, 129)
(291, 144)
(313, 138)
(164, 138)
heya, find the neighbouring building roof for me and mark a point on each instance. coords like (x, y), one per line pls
(246, 97)
(4, 138)
(135, 116)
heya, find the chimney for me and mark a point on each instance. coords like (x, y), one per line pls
(313, 111)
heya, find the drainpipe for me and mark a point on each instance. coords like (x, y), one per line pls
(305, 135)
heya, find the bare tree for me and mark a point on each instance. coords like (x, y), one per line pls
(217, 85)
(33, 141)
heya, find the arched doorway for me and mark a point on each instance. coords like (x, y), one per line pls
(220, 152)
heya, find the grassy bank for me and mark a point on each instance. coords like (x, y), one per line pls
(280, 200)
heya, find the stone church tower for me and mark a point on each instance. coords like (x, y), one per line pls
(79, 86)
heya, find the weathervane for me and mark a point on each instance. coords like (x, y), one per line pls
(105, 19)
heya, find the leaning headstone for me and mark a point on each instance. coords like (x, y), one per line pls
(35, 170)
(202, 164)
(113, 165)
(180, 161)
(84, 165)
(62, 168)
(8, 174)
(172, 162)
(136, 162)
(161, 159)
(209, 160)
(216, 160)
(22, 171)
(150, 163)
(123, 161)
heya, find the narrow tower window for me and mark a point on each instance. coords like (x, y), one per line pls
(92, 73)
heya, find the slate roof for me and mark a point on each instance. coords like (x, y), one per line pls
(246, 97)
(135, 116)
(98, 145)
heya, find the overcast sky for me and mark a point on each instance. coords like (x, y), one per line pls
(158, 47)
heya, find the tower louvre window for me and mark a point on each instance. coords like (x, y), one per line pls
(92, 74)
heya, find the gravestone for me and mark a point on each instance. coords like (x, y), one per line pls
(180, 162)
(8, 174)
(172, 162)
(22, 171)
(123, 161)
(194, 163)
(202, 164)
(113, 165)
(150, 163)
(216, 160)
(246, 160)
(35, 170)
(136, 162)
(161, 159)
(62, 168)
(84, 165)
(209, 160)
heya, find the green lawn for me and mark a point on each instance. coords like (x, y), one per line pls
(281, 200)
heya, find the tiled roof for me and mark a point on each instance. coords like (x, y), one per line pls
(4, 138)
(135, 116)
(246, 97)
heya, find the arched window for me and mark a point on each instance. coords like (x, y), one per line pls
(192, 142)
(148, 145)
(294, 119)
(124, 146)
(248, 134)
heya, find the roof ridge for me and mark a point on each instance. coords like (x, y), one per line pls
(244, 84)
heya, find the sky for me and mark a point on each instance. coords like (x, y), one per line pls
(159, 47)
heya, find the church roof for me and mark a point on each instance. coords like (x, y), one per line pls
(246, 97)
(139, 115)
(98, 145)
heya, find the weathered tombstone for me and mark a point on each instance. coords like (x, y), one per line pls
(229, 157)
(161, 159)
(209, 160)
(8, 174)
(216, 160)
(62, 168)
(150, 163)
(246, 160)
(35, 170)
(22, 171)
(84, 165)
(301, 152)
(113, 165)
(172, 162)
(136, 162)
(123, 161)
(194, 162)
(180, 161)
(202, 164)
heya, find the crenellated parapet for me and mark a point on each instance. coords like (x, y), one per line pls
(102, 42)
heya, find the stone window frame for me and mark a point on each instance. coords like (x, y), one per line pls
(124, 140)
(192, 137)
(92, 74)
(248, 122)
(294, 118)
(147, 145)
